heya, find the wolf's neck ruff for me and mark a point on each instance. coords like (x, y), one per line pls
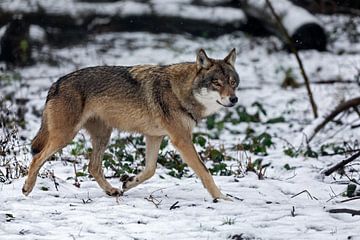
(190, 115)
(208, 99)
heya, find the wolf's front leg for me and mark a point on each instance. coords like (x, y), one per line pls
(151, 155)
(188, 152)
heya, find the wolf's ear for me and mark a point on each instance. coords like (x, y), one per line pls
(231, 57)
(202, 60)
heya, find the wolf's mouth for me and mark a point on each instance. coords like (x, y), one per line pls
(229, 105)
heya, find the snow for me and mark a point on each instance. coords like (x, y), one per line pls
(36, 33)
(291, 15)
(180, 8)
(262, 209)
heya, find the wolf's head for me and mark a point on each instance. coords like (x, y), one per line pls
(216, 81)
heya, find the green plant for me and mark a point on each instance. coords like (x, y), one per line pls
(288, 168)
(7, 78)
(228, 221)
(10, 145)
(350, 190)
(289, 79)
(257, 167)
(309, 152)
(257, 144)
(291, 151)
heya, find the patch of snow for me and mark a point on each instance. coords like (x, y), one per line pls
(37, 33)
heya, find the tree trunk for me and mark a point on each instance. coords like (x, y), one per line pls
(305, 29)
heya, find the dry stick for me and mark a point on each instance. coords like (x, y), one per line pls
(345, 210)
(341, 164)
(333, 81)
(175, 205)
(295, 52)
(354, 102)
(350, 199)
(308, 193)
(52, 174)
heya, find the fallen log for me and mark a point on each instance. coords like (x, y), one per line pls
(305, 29)
(77, 19)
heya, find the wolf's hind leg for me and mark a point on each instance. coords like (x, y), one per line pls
(152, 151)
(100, 135)
(55, 141)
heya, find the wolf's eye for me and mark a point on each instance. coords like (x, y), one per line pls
(216, 83)
(232, 82)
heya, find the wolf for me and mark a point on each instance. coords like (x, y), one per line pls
(154, 100)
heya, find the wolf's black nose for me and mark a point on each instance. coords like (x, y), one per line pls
(233, 99)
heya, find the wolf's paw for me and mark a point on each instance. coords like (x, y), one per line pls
(114, 192)
(126, 179)
(26, 189)
(223, 197)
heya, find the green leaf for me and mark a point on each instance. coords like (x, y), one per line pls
(81, 174)
(201, 141)
(280, 119)
(210, 122)
(164, 144)
(260, 107)
(216, 155)
(287, 167)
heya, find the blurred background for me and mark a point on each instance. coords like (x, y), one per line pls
(30, 27)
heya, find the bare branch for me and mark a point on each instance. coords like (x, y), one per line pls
(354, 102)
(295, 52)
(341, 164)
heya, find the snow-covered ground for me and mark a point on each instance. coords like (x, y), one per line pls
(262, 209)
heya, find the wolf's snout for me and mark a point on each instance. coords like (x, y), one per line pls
(233, 99)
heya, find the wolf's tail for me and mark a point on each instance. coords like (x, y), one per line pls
(41, 138)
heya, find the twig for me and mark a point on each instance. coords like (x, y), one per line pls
(345, 210)
(237, 198)
(305, 191)
(350, 199)
(88, 200)
(52, 174)
(77, 183)
(154, 200)
(350, 179)
(334, 196)
(293, 211)
(341, 164)
(332, 81)
(175, 206)
(354, 102)
(295, 52)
